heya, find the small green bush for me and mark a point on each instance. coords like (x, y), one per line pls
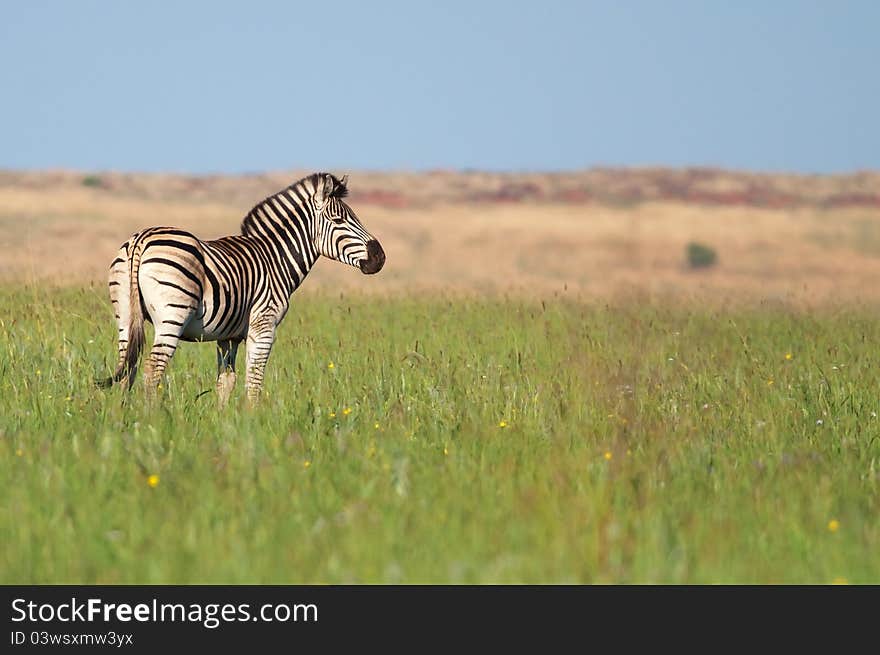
(700, 255)
(92, 181)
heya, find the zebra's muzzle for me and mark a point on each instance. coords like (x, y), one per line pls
(375, 258)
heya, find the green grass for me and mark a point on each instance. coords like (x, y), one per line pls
(643, 444)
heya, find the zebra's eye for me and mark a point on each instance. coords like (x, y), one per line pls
(337, 219)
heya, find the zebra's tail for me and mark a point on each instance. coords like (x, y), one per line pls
(135, 316)
(127, 366)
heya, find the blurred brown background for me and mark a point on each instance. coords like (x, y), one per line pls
(600, 233)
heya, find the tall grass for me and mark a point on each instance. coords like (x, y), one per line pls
(451, 440)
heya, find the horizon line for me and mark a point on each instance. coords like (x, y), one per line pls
(438, 170)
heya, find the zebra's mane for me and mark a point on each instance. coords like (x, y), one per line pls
(308, 184)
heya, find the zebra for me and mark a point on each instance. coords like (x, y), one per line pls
(234, 288)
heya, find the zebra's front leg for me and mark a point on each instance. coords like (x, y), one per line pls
(226, 351)
(260, 338)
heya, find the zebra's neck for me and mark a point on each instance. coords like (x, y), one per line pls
(284, 223)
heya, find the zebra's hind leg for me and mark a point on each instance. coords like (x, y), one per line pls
(164, 345)
(171, 309)
(226, 351)
(119, 290)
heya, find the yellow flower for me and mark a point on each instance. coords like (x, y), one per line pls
(153, 481)
(502, 424)
(770, 382)
(788, 355)
(607, 455)
(332, 414)
(445, 450)
(306, 464)
(376, 425)
(833, 525)
(330, 365)
(19, 452)
(346, 411)
(39, 372)
(840, 580)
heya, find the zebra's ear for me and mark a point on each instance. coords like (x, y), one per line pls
(324, 189)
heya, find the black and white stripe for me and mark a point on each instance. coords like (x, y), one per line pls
(233, 288)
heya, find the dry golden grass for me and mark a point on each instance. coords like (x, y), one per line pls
(56, 229)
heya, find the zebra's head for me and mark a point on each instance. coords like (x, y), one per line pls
(339, 234)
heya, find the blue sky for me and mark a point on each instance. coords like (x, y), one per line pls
(249, 86)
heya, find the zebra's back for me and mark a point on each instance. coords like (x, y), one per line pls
(202, 289)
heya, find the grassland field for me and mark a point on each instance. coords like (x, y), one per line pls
(536, 388)
(443, 438)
